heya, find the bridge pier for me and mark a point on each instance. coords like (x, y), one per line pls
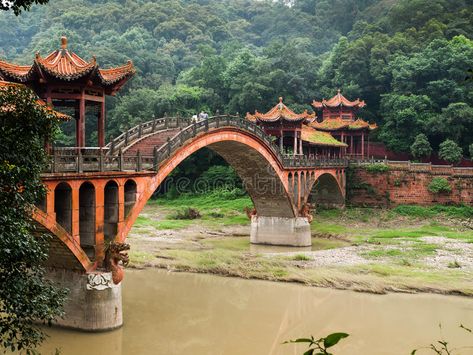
(94, 302)
(293, 231)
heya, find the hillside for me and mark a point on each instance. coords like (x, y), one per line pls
(407, 59)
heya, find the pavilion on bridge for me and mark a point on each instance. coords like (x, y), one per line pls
(294, 132)
(63, 79)
(338, 118)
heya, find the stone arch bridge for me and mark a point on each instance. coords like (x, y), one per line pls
(94, 197)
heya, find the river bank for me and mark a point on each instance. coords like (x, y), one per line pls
(408, 249)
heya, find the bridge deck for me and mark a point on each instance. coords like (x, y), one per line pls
(148, 145)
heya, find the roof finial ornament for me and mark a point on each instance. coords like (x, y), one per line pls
(280, 99)
(63, 42)
(338, 90)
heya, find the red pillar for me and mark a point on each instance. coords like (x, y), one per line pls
(80, 123)
(295, 143)
(363, 145)
(351, 145)
(101, 125)
(99, 221)
(300, 143)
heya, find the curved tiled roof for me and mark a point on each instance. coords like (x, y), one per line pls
(280, 112)
(68, 66)
(59, 115)
(337, 101)
(312, 136)
(333, 124)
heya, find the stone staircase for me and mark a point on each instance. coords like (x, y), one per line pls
(146, 146)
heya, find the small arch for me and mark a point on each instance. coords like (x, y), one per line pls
(63, 205)
(87, 219)
(130, 196)
(110, 227)
(326, 192)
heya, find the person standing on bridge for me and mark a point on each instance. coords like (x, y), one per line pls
(203, 115)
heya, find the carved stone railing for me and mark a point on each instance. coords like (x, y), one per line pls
(144, 129)
(418, 167)
(111, 157)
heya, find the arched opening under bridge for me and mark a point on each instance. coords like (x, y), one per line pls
(326, 192)
(111, 210)
(87, 228)
(63, 206)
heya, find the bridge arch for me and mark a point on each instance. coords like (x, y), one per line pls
(326, 191)
(256, 164)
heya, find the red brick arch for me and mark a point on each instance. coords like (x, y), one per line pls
(247, 154)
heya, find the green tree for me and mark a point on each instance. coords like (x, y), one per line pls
(421, 146)
(470, 148)
(26, 297)
(18, 5)
(450, 151)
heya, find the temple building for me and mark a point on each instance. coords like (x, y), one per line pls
(294, 134)
(337, 116)
(63, 79)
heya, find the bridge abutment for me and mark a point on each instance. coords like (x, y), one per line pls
(93, 303)
(293, 231)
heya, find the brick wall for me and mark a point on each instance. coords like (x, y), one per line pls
(406, 183)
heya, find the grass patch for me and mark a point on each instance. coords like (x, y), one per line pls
(432, 211)
(301, 257)
(161, 224)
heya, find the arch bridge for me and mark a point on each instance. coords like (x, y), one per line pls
(95, 195)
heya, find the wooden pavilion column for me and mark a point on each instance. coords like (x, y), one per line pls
(281, 142)
(101, 125)
(80, 122)
(351, 145)
(363, 144)
(295, 142)
(300, 143)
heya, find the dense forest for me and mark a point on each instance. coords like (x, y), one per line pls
(407, 58)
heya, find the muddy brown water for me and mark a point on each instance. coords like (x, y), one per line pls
(182, 313)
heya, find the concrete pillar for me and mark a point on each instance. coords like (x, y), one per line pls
(280, 231)
(94, 302)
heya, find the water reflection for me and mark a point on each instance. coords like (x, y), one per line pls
(173, 313)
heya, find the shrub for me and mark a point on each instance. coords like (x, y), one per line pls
(450, 151)
(227, 194)
(377, 168)
(186, 213)
(421, 146)
(470, 148)
(439, 185)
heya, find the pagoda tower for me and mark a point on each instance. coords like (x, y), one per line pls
(63, 79)
(339, 118)
(294, 134)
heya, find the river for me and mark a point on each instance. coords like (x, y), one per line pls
(182, 313)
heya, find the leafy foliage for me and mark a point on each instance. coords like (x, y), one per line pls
(320, 346)
(18, 5)
(439, 185)
(450, 151)
(407, 59)
(470, 148)
(421, 146)
(377, 168)
(25, 296)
